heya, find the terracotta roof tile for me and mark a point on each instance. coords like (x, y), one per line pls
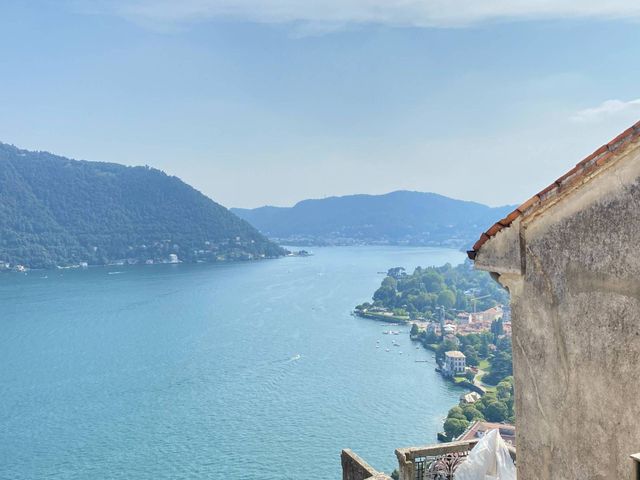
(483, 238)
(624, 136)
(592, 162)
(495, 228)
(604, 159)
(566, 176)
(542, 194)
(597, 153)
(528, 204)
(512, 216)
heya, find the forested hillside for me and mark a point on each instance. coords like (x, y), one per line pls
(402, 217)
(57, 211)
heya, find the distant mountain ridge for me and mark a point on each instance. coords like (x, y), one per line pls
(400, 217)
(58, 212)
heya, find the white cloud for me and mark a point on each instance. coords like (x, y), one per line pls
(332, 13)
(608, 110)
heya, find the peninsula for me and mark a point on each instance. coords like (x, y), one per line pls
(55, 211)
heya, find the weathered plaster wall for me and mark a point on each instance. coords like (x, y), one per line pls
(576, 329)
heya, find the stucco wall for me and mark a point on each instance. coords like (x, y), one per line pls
(576, 328)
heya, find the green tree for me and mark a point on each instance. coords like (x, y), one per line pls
(432, 281)
(429, 337)
(504, 389)
(483, 351)
(496, 411)
(414, 330)
(473, 359)
(472, 413)
(456, 412)
(486, 399)
(447, 299)
(497, 328)
(387, 292)
(454, 427)
(501, 367)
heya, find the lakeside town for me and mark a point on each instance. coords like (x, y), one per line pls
(472, 348)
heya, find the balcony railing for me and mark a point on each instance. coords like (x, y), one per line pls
(435, 462)
(355, 468)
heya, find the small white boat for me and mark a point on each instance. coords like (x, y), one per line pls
(387, 350)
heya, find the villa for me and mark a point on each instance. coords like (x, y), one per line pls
(454, 363)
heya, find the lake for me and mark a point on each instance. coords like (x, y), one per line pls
(239, 371)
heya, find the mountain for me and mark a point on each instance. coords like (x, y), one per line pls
(57, 211)
(401, 217)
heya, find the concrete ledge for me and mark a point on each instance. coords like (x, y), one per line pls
(355, 468)
(635, 471)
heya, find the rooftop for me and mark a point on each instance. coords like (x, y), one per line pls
(479, 428)
(455, 354)
(582, 171)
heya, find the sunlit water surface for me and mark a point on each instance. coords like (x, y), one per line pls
(244, 371)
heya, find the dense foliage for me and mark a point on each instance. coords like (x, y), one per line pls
(494, 406)
(501, 361)
(56, 211)
(401, 217)
(423, 292)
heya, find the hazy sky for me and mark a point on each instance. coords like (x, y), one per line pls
(269, 102)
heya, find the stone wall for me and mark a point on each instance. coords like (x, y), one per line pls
(355, 468)
(573, 270)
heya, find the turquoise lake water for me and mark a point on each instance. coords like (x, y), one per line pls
(244, 371)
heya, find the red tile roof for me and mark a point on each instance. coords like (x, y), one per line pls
(586, 166)
(479, 428)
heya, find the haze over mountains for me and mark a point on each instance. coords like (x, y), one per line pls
(58, 212)
(400, 217)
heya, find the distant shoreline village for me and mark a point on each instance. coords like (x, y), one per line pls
(171, 259)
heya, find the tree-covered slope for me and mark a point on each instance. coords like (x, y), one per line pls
(57, 211)
(397, 217)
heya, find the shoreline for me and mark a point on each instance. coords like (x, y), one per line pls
(464, 385)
